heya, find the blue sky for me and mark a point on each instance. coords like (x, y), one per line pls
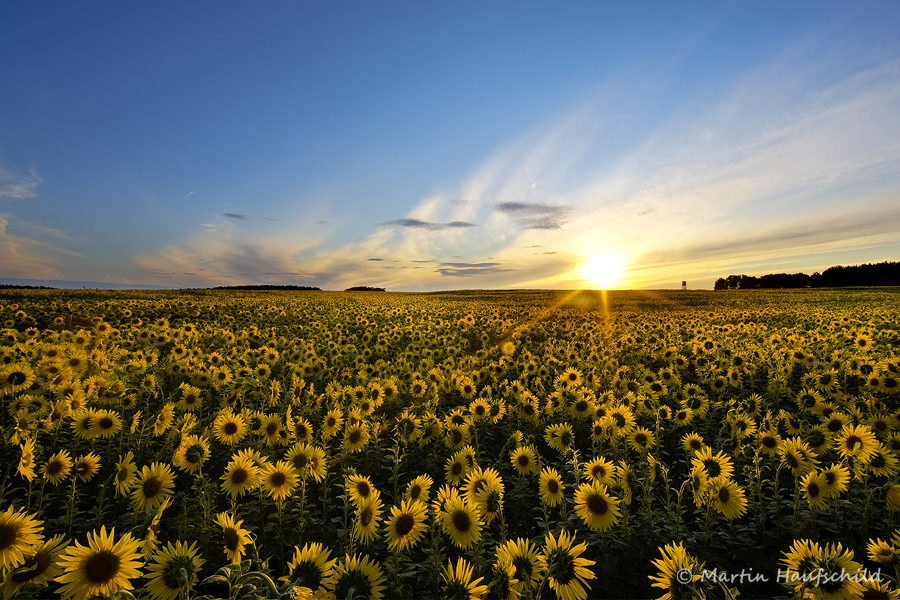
(439, 145)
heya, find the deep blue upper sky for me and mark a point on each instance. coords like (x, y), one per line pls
(445, 145)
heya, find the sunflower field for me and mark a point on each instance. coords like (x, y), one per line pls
(520, 444)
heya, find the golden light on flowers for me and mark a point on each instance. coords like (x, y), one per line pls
(550, 487)
(406, 525)
(311, 567)
(40, 566)
(102, 567)
(462, 522)
(279, 479)
(596, 507)
(458, 582)
(173, 571)
(357, 576)
(19, 532)
(234, 537)
(154, 484)
(673, 565)
(568, 572)
(603, 270)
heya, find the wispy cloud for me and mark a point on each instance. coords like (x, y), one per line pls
(470, 269)
(535, 215)
(419, 224)
(241, 217)
(16, 185)
(28, 258)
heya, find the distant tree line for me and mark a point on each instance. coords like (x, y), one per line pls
(284, 288)
(364, 288)
(883, 273)
(7, 286)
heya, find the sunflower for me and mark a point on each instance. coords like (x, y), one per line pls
(692, 443)
(360, 488)
(57, 467)
(857, 441)
(405, 526)
(807, 560)
(673, 565)
(568, 572)
(356, 437)
(18, 532)
(461, 521)
(524, 460)
(458, 581)
(39, 568)
(769, 442)
(86, 466)
(173, 572)
(882, 463)
(126, 472)
(234, 537)
(596, 507)
(26, 460)
(455, 468)
(892, 498)
(279, 480)
(503, 583)
(419, 488)
(81, 423)
(100, 568)
(550, 487)
(622, 420)
(835, 480)
(727, 498)
(106, 423)
(560, 436)
(880, 552)
(814, 486)
(154, 484)
(796, 454)
(229, 428)
(641, 439)
(331, 424)
(192, 453)
(357, 576)
(715, 466)
(302, 430)
(311, 568)
(241, 476)
(190, 397)
(525, 559)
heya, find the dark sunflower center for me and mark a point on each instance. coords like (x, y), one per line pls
(404, 525)
(35, 565)
(640, 439)
(239, 476)
(54, 467)
(524, 460)
(277, 479)
(230, 428)
(724, 495)
(122, 475)
(812, 489)
(152, 487)
(8, 535)
(300, 461)
(597, 504)
(456, 468)
(271, 428)
(362, 488)
(231, 539)
(712, 467)
(581, 406)
(769, 442)
(366, 516)
(101, 567)
(415, 491)
(106, 423)
(355, 436)
(852, 442)
(461, 521)
(552, 486)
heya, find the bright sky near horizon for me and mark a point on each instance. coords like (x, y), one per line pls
(446, 145)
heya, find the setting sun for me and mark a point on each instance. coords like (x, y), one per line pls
(603, 270)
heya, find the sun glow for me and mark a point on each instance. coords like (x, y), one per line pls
(603, 270)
